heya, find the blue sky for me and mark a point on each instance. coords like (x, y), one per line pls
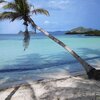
(64, 15)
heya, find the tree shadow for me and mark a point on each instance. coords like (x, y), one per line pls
(12, 93)
(15, 89)
(33, 95)
(55, 90)
(84, 90)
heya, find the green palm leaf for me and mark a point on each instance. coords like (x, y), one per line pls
(40, 11)
(11, 6)
(21, 10)
(9, 15)
(22, 6)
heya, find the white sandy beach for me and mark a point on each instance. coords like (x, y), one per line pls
(67, 88)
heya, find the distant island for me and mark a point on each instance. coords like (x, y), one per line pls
(51, 32)
(85, 31)
(75, 31)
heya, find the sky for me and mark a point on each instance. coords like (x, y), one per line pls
(64, 15)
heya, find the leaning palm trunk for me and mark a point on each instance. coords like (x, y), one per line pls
(88, 68)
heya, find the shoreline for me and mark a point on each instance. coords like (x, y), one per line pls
(82, 34)
(18, 83)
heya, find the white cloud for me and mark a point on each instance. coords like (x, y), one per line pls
(61, 4)
(46, 22)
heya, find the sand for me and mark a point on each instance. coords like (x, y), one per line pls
(67, 88)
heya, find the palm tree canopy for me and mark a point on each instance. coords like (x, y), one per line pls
(40, 11)
(20, 10)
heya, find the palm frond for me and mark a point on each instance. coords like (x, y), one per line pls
(9, 15)
(16, 16)
(22, 6)
(41, 11)
(5, 15)
(20, 9)
(11, 6)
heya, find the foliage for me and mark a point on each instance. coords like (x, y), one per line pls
(21, 10)
(86, 31)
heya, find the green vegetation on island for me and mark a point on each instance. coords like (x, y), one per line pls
(85, 31)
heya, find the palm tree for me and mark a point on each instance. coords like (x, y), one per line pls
(21, 10)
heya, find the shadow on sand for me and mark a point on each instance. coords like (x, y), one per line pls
(27, 87)
(79, 89)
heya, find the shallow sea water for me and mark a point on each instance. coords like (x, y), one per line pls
(44, 58)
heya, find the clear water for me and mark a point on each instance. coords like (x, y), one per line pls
(44, 58)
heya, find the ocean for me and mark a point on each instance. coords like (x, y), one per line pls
(44, 58)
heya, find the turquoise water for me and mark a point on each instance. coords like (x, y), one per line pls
(44, 58)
